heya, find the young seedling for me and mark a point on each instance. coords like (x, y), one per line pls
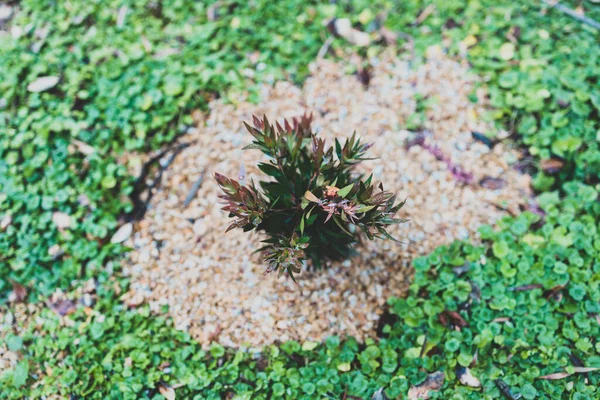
(314, 207)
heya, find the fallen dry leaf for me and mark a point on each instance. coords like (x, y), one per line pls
(432, 383)
(389, 37)
(122, 234)
(466, 378)
(61, 220)
(506, 390)
(557, 375)
(42, 84)
(212, 13)
(19, 292)
(562, 375)
(552, 165)
(6, 12)
(166, 391)
(343, 28)
(55, 251)
(492, 183)
(83, 147)
(582, 370)
(121, 16)
(6, 221)
(379, 395)
(364, 75)
(453, 318)
(63, 307)
(424, 14)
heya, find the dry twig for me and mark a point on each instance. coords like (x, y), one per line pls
(573, 14)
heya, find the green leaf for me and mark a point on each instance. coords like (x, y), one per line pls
(20, 374)
(216, 350)
(173, 85)
(337, 221)
(344, 367)
(309, 346)
(364, 208)
(343, 192)
(311, 197)
(500, 249)
(278, 390)
(14, 343)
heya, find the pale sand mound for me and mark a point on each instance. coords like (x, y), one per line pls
(215, 287)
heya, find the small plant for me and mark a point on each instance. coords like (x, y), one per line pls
(314, 207)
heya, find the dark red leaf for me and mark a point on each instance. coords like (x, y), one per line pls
(19, 292)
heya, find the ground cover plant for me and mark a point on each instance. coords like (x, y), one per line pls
(311, 185)
(517, 315)
(87, 80)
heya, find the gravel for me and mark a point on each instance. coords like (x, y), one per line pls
(212, 282)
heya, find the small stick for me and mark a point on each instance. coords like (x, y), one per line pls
(194, 190)
(573, 14)
(424, 14)
(325, 48)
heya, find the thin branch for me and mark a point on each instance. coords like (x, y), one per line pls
(573, 14)
(194, 190)
(325, 48)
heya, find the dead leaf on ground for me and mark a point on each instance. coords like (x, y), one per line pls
(424, 14)
(557, 375)
(163, 365)
(562, 375)
(55, 251)
(212, 13)
(165, 52)
(6, 221)
(466, 378)
(453, 318)
(343, 27)
(492, 183)
(525, 288)
(63, 307)
(6, 12)
(552, 165)
(215, 335)
(379, 395)
(83, 147)
(61, 220)
(166, 391)
(42, 84)
(431, 384)
(505, 390)
(122, 234)
(582, 370)
(364, 75)
(19, 292)
(389, 37)
(121, 15)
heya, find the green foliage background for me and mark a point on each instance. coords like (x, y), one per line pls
(133, 87)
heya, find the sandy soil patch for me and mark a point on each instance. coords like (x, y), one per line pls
(213, 284)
